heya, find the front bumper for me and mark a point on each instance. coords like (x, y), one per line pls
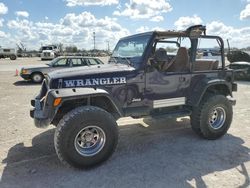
(232, 100)
(234, 87)
(37, 113)
(42, 110)
(25, 76)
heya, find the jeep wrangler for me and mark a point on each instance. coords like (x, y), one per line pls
(149, 74)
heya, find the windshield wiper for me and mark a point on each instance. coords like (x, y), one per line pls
(128, 61)
(112, 60)
(123, 58)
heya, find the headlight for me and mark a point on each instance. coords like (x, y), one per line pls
(24, 71)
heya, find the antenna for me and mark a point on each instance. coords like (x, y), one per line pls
(108, 45)
(94, 39)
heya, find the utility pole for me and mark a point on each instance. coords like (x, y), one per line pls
(107, 45)
(94, 39)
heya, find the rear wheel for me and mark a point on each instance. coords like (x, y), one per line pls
(213, 117)
(37, 77)
(86, 136)
(13, 57)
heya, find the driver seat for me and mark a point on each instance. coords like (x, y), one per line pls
(161, 58)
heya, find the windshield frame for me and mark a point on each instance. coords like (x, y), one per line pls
(134, 38)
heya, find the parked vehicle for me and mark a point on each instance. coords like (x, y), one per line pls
(36, 74)
(242, 70)
(212, 55)
(8, 53)
(49, 52)
(140, 80)
(237, 55)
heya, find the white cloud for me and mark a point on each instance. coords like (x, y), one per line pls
(157, 19)
(217, 28)
(3, 9)
(145, 9)
(5, 40)
(185, 22)
(88, 20)
(3, 34)
(1, 22)
(22, 13)
(72, 3)
(245, 14)
(142, 29)
(145, 29)
(239, 37)
(72, 29)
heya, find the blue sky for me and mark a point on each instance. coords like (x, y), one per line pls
(72, 22)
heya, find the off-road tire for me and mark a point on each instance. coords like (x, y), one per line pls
(195, 122)
(74, 122)
(200, 118)
(35, 76)
(13, 57)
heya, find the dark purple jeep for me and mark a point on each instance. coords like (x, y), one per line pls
(149, 74)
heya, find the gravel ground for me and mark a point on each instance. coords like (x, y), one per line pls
(151, 153)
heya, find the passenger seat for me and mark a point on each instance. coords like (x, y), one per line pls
(180, 62)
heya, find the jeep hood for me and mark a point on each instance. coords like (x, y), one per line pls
(89, 70)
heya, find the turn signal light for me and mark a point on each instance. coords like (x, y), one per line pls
(57, 101)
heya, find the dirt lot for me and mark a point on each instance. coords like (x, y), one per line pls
(150, 153)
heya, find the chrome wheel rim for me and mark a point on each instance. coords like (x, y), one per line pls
(89, 141)
(217, 118)
(37, 78)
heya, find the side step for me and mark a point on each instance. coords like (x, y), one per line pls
(174, 114)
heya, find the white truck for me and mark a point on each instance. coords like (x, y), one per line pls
(8, 53)
(49, 52)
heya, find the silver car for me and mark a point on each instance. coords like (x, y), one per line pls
(36, 74)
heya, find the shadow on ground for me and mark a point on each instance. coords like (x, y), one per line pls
(159, 155)
(25, 83)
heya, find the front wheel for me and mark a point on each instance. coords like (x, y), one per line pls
(213, 117)
(37, 77)
(13, 57)
(86, 136)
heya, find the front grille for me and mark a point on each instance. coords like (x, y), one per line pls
(43, 93)
(46, 54)
(43, 90)
(46, 80)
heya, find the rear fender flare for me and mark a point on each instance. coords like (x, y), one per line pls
(201, 89)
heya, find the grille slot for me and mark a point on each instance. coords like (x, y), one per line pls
(43, 90)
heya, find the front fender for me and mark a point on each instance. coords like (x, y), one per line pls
(69, 94)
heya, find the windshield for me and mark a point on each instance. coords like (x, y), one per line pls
(47, 48)
(131, 47)
(53, 62)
